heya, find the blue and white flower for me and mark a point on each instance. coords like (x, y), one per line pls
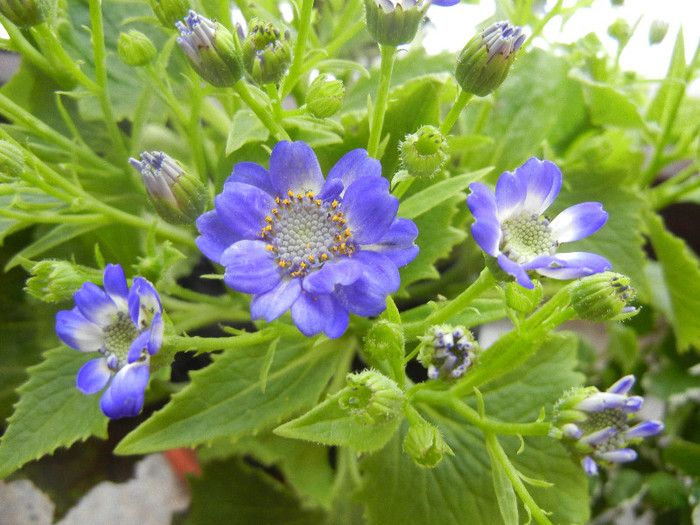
(511, 228)
(321, 249)
(596, 425)
(126, 327)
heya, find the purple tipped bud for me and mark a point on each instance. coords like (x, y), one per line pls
(644, 430)
(448, 352)
(621, 455)
(633, 404)
(623, 385)
(590, 467)
(602, 401)
(572, 431)
(599, 437)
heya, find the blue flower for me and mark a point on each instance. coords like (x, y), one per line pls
(126, 327)
(596, 425)
(510, 227)
(321, 249)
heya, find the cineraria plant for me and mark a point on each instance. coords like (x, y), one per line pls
(330, 265)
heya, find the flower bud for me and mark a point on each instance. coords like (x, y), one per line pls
(385, 340)
(596, 425)
(266, 52)
(55, 281)
(169, 11)
(485, 61)
(26, 13)
(657, 31)
(177, 196)
(371, 398)
(603, 297)
(523, 300)
(394, 22)
(448, 352)
(621, 31)
(324, 97)
(425, 445)
(11, 161)
(135, 48)
(424, 152)
(211, 50)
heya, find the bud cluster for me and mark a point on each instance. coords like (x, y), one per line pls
(448, 352)
(596, 425)
(266, 52)
(603, 297)
(424, 152)
(324, 97)
(371, 398)
(26, 13)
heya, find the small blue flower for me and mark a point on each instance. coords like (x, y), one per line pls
(510, 227)
(321, 249)
(126, 327)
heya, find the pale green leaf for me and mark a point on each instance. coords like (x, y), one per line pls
(245, 128)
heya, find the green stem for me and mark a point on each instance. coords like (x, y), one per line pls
(462, 100)
(402, 188)
(210, 344)
(454, 307)
(22, 46)
(260, 111)
(388, 54)
(294, 73)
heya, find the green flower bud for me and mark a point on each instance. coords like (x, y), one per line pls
(657, 31)
(385, 341)
(448, 352)
(266, 52)
(523, 300)
(211, 50)
(135, 48)
(603, 297)
(391, 23)
(424, 152)
(324, 97)
(485, 61)
(169, 11)
(621, 31)
(11, 161)
(425, 445)
(55, 281)
(371, 398)
(26, 13)
(177, 196)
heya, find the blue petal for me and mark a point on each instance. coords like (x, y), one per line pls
(77, 332)
(621, 455)
(243, 208)
(445, 3)
(369, 209)
(516, 270)
(353, 165)
(332, 189)
(510, 195)
(144, 303)
(93, 376)
(579, 221)
(481, 202)
(137, 347)
(542, 180)
(293, 166)
(622, 385)
(367, 295)
(488, 234)
(315, 314)
(590, 467)
(599, 437)
(157, 330)
(116, 410)
(398, 243)
(601, 401)
(271, 305)
(215, 236)
(250, 267)
(644, 429)
(114, 284)
(96, 305)
(130, 382)
(253, 174)
(575, 265)
(342, 271)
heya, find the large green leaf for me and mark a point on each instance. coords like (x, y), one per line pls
(51, 412)
(225, 400)
(460, 489)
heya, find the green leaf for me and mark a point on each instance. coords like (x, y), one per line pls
(681, 271)
(231, 490)
(609, 107)
(245, 128)
(329, 424)
(51, 411)
(225, 399)
(684, 455)
(460, 489)
(505, 494)
(673, 86)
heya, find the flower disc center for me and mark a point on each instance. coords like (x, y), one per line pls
(526, 237)
(118, 338)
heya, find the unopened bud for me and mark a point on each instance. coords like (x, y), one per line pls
(603, 297)
(448, 352)
(266, 52)
(55, 281)
(657, 31)
(26, 13)
(169, 11)
(485, 61)
(11, 161)
(177, 196)
(424, 152)
(135, 48)
(385, 340)
(392, 23)
(371, 398)
(621, 31)
(523, 300)
(425, 445)
(211, 50)
(324, 97)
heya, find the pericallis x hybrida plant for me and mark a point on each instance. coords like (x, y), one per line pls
(374, 250)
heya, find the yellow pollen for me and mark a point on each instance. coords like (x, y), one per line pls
(334, 204)
(310, 195)
(312, 259)
(277, 200)
(268, 219)
(275, 211)
(283, 263)
(269, 248)
(303, 265)
(318, 202)
(290, 193)
(324, 256)
(347, 232)
(286, 202)
(300, 196)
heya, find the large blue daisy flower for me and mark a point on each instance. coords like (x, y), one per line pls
(510, 227)
(126, 327)
(321, 249)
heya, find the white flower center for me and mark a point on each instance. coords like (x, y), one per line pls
(526, 237)
(118, 337)
(304, 232)
(611, 417)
